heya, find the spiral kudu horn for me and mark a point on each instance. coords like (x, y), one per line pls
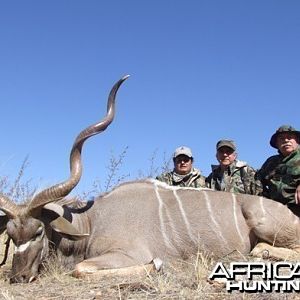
(61, 190)
(10, 208)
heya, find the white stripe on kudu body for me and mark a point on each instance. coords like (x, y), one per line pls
(185, 219)
(234, 203)
(161, 218)
(261, 200)
(211, 215)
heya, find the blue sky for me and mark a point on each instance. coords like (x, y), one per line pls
(200, 71)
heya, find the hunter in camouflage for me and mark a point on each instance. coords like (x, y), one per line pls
(183, 174)
(232, 175)
(280, 174)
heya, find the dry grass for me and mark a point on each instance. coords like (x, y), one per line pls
(178, 280)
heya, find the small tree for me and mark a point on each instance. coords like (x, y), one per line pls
(18, 189)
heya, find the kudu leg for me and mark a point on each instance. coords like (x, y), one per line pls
(276, 227)
(120, 272)
(112, 264)
(266, 251)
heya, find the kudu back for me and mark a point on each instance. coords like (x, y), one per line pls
(138, 222)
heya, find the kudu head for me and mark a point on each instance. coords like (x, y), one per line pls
(26, 224)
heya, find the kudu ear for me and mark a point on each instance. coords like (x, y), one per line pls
(54, 213)
(66, 229)
(3, 221)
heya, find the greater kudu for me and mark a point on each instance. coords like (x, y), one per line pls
(138, 222)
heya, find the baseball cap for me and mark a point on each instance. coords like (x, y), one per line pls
(226, 143)
(183, 150)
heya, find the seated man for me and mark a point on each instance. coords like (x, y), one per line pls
(232, 175)
(280, 174)
(183, 174)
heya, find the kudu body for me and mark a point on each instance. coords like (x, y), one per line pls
(138, 222)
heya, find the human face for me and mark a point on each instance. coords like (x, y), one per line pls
(287, 142)
(225, 156)
(183, 164)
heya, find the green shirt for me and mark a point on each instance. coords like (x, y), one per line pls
(280, 177)
(237, 178)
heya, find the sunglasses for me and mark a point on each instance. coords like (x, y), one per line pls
(182, 159)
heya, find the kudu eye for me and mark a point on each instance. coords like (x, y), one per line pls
(39, 232)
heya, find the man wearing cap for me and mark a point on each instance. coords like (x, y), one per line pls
(280, 174)
(232, 175)
(183, 174)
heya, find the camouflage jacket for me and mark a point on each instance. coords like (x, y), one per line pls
(194, 179)
(280, 177)
(238, 178)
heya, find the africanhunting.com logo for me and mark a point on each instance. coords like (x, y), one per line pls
(253, 277)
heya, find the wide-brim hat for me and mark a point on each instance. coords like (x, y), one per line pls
(283, 128)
